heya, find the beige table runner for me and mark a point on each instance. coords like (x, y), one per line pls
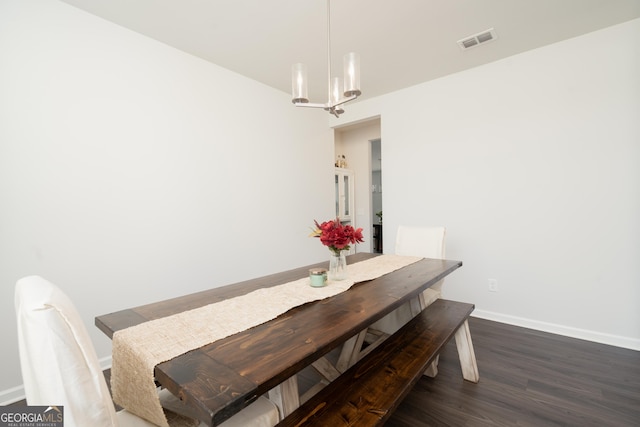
(138, 349)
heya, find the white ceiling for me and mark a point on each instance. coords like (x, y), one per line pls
(401, 43)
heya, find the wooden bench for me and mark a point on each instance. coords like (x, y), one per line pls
(368, 392)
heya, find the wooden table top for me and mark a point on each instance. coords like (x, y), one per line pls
(218, 380)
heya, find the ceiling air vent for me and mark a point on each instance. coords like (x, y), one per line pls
(477, 39)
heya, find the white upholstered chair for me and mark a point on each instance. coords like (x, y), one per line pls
(60, 366)
(427, 242)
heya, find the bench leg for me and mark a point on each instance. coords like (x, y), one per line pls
(286, 396)
(432, 370)
(466, 354)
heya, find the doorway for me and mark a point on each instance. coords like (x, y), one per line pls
(353, 143)
(376, 194)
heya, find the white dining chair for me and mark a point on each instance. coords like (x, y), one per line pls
(427, 242)
(60, 366)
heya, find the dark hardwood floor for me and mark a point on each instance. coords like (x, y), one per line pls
(527, 378)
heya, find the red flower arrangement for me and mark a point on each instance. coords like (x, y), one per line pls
(336, 236)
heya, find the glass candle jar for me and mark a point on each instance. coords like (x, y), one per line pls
(318, 277)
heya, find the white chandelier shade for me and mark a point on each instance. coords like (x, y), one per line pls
(299, 83)
(352, 74)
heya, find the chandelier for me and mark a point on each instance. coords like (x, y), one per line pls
(338, 93)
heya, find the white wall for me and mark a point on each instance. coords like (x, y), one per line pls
(533, 164)
(131, 172)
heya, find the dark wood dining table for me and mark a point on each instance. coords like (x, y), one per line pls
(219, 379)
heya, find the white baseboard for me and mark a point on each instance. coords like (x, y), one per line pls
(105, 363)
(12, 395)
(583, 334)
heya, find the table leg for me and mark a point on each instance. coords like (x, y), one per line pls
(350, 351)
(286, 396)
(419, 303)
(325, 369)
(416, 305)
